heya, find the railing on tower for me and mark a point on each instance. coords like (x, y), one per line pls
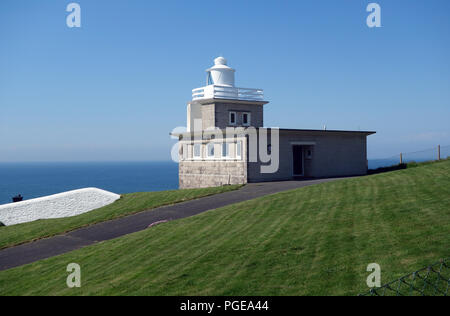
(226, 92)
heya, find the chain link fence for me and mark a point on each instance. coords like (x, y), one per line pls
(431, 154)
(433, 280)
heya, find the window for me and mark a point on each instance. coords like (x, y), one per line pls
(226, 150)
(183, 152)
(246, 119)
(209, 79)
(210, 151)
(232, 118)
(197, 150)
(239, 150)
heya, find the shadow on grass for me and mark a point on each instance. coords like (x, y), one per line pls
(400, 166)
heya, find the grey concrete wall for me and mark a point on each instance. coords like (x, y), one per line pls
(208, 115)
(334, 154)
(207, 172)
(217, 114)
(201, 174)
(222, 111)
(194, 112)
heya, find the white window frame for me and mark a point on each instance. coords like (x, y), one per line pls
(229, 118)
(193, 151)
(239, 145)
(249, 119)
(207, 150)
(184, 151)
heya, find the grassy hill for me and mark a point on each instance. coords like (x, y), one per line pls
(316, 240)
(127, 205)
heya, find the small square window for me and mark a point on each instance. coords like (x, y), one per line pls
(246, 119)
(232, 118)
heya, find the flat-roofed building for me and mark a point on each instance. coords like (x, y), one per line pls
(226, 141)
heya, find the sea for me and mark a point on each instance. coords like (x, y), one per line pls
(32, 180)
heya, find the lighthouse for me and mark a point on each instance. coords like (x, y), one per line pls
(221, 104)
(226, 141)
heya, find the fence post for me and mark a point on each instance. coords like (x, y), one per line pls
(401, 158)
(439, 152)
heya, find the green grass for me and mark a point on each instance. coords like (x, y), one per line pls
(401, 166)
(414, 164)
(126, 205)
(316, 240)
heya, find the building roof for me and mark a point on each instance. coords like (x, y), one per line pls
(328, 131)
(289, 130)
(223, 100)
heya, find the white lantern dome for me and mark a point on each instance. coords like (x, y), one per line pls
(220, 85)
(220, 74)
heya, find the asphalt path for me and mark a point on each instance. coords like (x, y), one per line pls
(57, 245)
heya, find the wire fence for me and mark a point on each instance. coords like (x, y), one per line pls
(433, 280)
(431, 154)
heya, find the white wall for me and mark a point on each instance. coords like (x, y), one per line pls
(60, 205)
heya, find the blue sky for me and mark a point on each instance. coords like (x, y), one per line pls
(114, 88)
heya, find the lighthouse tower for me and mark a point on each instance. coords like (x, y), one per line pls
(221, 104)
